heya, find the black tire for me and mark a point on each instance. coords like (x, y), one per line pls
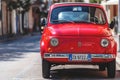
(102, 67)
(45, 69)
(111, 69)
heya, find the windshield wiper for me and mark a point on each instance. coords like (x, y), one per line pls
(62, 21)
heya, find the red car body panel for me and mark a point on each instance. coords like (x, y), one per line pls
(77, 38)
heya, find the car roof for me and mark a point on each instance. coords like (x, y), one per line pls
(76, 4)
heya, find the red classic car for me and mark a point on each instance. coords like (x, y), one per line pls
(78, 33)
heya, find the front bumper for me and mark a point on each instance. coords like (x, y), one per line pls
(78, 58)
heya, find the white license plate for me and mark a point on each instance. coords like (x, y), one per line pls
(79, 57)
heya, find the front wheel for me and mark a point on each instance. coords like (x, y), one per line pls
(111, 69)
(102, 67)
(45, 69)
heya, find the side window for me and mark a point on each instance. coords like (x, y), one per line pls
(100, 16)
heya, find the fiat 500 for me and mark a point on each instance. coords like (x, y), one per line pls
(78, 33)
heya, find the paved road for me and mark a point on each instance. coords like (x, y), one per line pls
(20, 60)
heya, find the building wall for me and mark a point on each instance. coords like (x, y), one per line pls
(113, 11)
(4, 17)
(87, 1)
(30, 19)
(0, 28)
(14, 27)
(0, 19)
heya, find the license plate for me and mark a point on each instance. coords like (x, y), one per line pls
(80, 57)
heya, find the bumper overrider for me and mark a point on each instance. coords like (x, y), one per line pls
(57, 57)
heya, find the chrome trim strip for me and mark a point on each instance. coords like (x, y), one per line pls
(61, 55)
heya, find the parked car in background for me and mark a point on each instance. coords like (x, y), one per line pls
(78, 33)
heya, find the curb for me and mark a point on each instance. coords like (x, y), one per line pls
(9, 39)
(118, 59)
(16, 37)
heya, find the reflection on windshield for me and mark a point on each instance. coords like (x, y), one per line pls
(78, 14)
(73, 16)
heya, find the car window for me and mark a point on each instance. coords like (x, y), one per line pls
(78, 14)
(73, 16)
(100, 16)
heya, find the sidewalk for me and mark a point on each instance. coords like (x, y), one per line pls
(118, 58)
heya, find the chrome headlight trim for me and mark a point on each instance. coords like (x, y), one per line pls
(104, 43)
(54, 42)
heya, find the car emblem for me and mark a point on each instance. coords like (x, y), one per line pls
(79, 44)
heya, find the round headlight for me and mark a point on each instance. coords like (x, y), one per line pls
(54, 42)
(104, 42)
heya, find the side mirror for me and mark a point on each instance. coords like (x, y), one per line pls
(112, 24)
(43, 21)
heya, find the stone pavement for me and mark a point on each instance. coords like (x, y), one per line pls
(10, 37)
(17, 36)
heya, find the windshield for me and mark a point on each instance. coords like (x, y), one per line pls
(77, 14)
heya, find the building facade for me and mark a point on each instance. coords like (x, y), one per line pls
(111, 8)
(14, 20)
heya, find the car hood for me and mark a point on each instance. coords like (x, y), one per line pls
(79, 30)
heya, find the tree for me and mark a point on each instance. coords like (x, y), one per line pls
(80, 0)
(95, 1)
(11, 5)
(25, 4)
